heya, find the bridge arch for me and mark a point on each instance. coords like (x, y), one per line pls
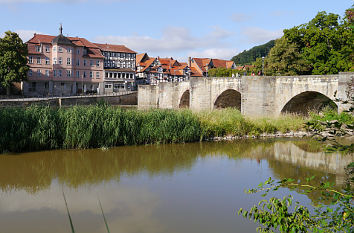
(229, 98)
(185, 99)
(308, 101)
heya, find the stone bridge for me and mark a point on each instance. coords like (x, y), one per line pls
(253, 95)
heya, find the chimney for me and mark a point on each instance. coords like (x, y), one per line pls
(189, 61)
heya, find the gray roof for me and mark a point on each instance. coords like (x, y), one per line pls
(60, 39)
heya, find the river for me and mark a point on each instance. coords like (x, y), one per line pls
(196, 187)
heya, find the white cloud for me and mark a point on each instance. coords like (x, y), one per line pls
(260, 35)
(220, 53)
(240, 17)
(25, 35)
(173, 39)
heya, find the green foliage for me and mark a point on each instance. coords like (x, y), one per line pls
(320, 121)
(223, 72)
(13, 59)
(322, 46)
(249, 56)
(278, 214)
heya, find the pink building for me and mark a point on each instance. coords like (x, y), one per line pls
(63, 66)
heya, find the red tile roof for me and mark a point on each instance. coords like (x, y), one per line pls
(114, 48)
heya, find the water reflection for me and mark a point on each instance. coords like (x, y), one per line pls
(158, 188)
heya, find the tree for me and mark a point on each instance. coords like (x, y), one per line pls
(322, 46)
(13, 60)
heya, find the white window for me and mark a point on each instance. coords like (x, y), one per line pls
(68, 73)
(59, 73)
(38, 49)
(68, 61)
(78, 74)
(60, 60)
(98, 63)
(38, 60)
(47, 61)
(39, 73)
(68, 50)
(30, 73)
(54, 60)
(60, 49)
(47, 73)
(47, 49)
(30, 59)
(108, 86)
(54, 48)
(91, 74)
(97, 74)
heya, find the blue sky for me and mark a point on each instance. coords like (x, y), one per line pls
(219, 29)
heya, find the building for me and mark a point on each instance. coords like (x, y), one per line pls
(63, 66)
(201, 65)
(152, 70)
(119, 67)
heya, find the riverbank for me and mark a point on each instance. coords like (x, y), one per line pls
(45, 128)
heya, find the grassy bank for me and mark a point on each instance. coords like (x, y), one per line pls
(41, 128)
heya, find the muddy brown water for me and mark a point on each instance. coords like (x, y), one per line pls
(195, 187)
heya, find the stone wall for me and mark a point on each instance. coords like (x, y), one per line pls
(128, 99)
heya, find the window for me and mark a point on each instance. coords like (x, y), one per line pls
(30, 73)
(97, 74)
(47, 61)
(39, 73)
(33, 86)
(91, 75)
(119, 75)
(59, 73)
(84, 74)
(54, 60)
(30, 59)
(47, 49)
(47, 73)
(38, 49)
(78, 74)
(54, 73)
(60, 49)
(78, 62)
(60, 60)
(68, 50)
(68, 73)
(108, 86)
(78, 51)
(84, 62)
(54, 48)
(38, 60)
(68, 61)
(111, 75)
(106, 75)
(91, 63)
(98, 63)
(115, 75)
(46, 85)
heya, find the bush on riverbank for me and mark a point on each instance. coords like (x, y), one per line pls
(41, 128)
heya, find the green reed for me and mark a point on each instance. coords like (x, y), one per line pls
(102, 126)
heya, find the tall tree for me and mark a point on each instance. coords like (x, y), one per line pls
(249, 56)
(322, 46)
(13, 60)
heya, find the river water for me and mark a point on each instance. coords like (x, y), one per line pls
(195, 187)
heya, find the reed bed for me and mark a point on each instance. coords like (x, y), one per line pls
(43, 128)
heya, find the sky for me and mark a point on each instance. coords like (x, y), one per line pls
(178, 29)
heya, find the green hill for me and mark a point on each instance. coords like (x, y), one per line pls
(249, 56)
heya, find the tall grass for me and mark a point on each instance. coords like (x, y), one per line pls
(38, 128)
